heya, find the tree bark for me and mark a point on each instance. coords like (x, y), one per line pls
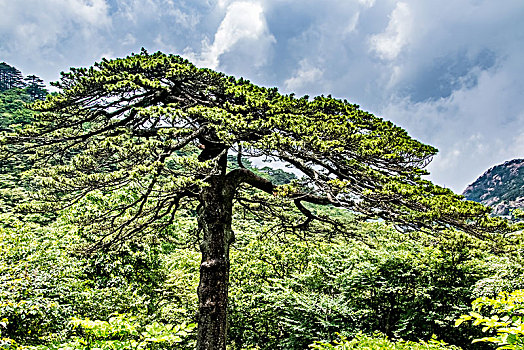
(214, 217)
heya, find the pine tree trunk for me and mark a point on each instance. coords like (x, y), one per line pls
(215, 222)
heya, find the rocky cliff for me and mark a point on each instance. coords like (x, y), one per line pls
(501, 187)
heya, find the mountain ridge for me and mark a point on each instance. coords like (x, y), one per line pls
(500, 187)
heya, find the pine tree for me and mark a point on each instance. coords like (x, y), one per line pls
(10, 77)
(162, 128)
(35, 87)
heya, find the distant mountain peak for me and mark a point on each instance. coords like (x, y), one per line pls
(501, 187)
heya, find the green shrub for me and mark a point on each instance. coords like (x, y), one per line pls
(44, 282)
(121, 332)
(381, 342)
(283, 296)
(505, 320)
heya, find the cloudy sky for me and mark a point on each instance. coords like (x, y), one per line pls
(451, 72)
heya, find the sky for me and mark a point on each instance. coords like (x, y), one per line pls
(451, 72)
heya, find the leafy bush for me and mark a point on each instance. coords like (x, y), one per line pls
(121, 332)
(381, 342)
(506, 319)
(36, 277)
(44, 284)
(283, 296)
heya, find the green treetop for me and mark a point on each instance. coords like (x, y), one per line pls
(10, 77)
(162, 128)
(35, 87)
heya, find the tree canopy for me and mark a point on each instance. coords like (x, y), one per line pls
(35, 87)
(127, 117)
(10, 77)
(163, 129)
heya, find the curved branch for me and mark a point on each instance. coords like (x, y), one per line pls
(242, 175)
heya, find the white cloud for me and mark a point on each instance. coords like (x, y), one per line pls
(43, 37)
(519, 140)
(224, 3)
(162, 42)
(352, 24)
(33, 25)
(47, 36)
(304, 78)
(93, 12)
(129, 39)
(244, 22)
(134, 10)
(390, 43)
(184, 19)
(367, 3)
(140, 11)
(474, 128)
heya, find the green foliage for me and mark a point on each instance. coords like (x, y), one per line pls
(121, 332)
(45, 281)
(14, 110)
(506, 319)
(285, 292)
(284, 295)
(138, 122)
(35, 87)
(14, 113)
(10, 77)
(35, 277)
(179, 301)
(381, 342)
